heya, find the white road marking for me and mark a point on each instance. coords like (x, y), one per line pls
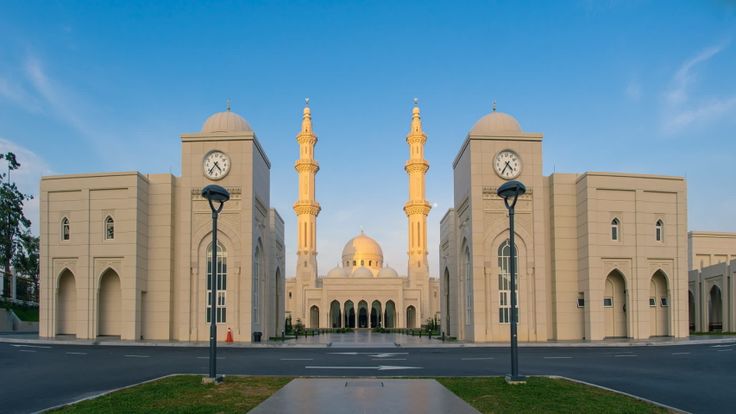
(373, 354)
(625, 355)
(297, 359)
(558, 357)
(724, 350)
(388, 359)
(378, 368)
(680, 353)
(475, 359)
(76, 353)
(723, 346)
(26, 350)
(208, 357)
(30, 346)
(137, 356)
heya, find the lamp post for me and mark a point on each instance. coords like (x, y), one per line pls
(214, 194)
(510, 192)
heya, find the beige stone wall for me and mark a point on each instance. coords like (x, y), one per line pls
(565, 250)
(150, 281)
(706, 248)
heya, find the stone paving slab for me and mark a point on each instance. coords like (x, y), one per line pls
(364, 395)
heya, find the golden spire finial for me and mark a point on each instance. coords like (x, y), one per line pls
(307, 118)
(416, 120)
(494, 105)
(228, 104)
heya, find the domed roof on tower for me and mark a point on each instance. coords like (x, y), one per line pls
(496, 124)
(226, 121)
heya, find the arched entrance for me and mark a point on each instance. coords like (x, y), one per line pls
(314, 317)
(362, 314)
(349, 314)
(335, 314)
(109, 305)
(276, 302)
(66, 304)
(411, 316)
(376, 314)
(389, 316)
(658, 305)
(614, 306)
(715, 310)
(446, 280)
(691, 309)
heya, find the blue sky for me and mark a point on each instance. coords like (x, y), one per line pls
(638, 86)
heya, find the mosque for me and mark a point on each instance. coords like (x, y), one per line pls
(362, 291)
(599, 254)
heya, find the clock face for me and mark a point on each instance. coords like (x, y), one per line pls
(507, 164)
(216, 165)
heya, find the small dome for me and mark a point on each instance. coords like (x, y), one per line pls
(362, 272)
(387, 272)
(337, 272)
(496, 123)
(227, 121)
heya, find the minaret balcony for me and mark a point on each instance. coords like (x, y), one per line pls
(417, 207)
(306, 166)
(413, 166)
(307, 207)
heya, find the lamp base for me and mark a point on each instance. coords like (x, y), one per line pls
(519, 379)
(216, 380)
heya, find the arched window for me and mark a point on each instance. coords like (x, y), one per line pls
(221, 283)
(615, 229)
(659, 230)
(64, 228)
(109, 228)
(504, 281)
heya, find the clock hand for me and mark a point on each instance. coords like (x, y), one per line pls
(210, 170)
(218, 166)
(504, 168)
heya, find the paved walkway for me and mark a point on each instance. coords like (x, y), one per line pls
(361, 395)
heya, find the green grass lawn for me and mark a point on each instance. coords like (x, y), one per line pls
(542, 395)
(187, 394)
(184, 394)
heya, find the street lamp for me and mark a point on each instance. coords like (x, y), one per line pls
(214, 194)
(510, 192)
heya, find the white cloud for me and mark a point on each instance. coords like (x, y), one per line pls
(682, 110)
(684, 77)
(27, 177)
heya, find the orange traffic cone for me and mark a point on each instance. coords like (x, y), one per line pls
(229, 336)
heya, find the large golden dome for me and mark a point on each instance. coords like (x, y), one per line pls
(362, 250)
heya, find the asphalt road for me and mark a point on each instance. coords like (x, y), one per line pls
(696, 378)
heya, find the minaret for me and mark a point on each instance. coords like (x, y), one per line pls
(306, 207)
(417, 208)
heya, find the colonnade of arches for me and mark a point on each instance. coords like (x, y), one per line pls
(362, 315)
(714, 309)
(109, 304)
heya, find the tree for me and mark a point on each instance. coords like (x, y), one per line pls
(13, 223)
(26, 261)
